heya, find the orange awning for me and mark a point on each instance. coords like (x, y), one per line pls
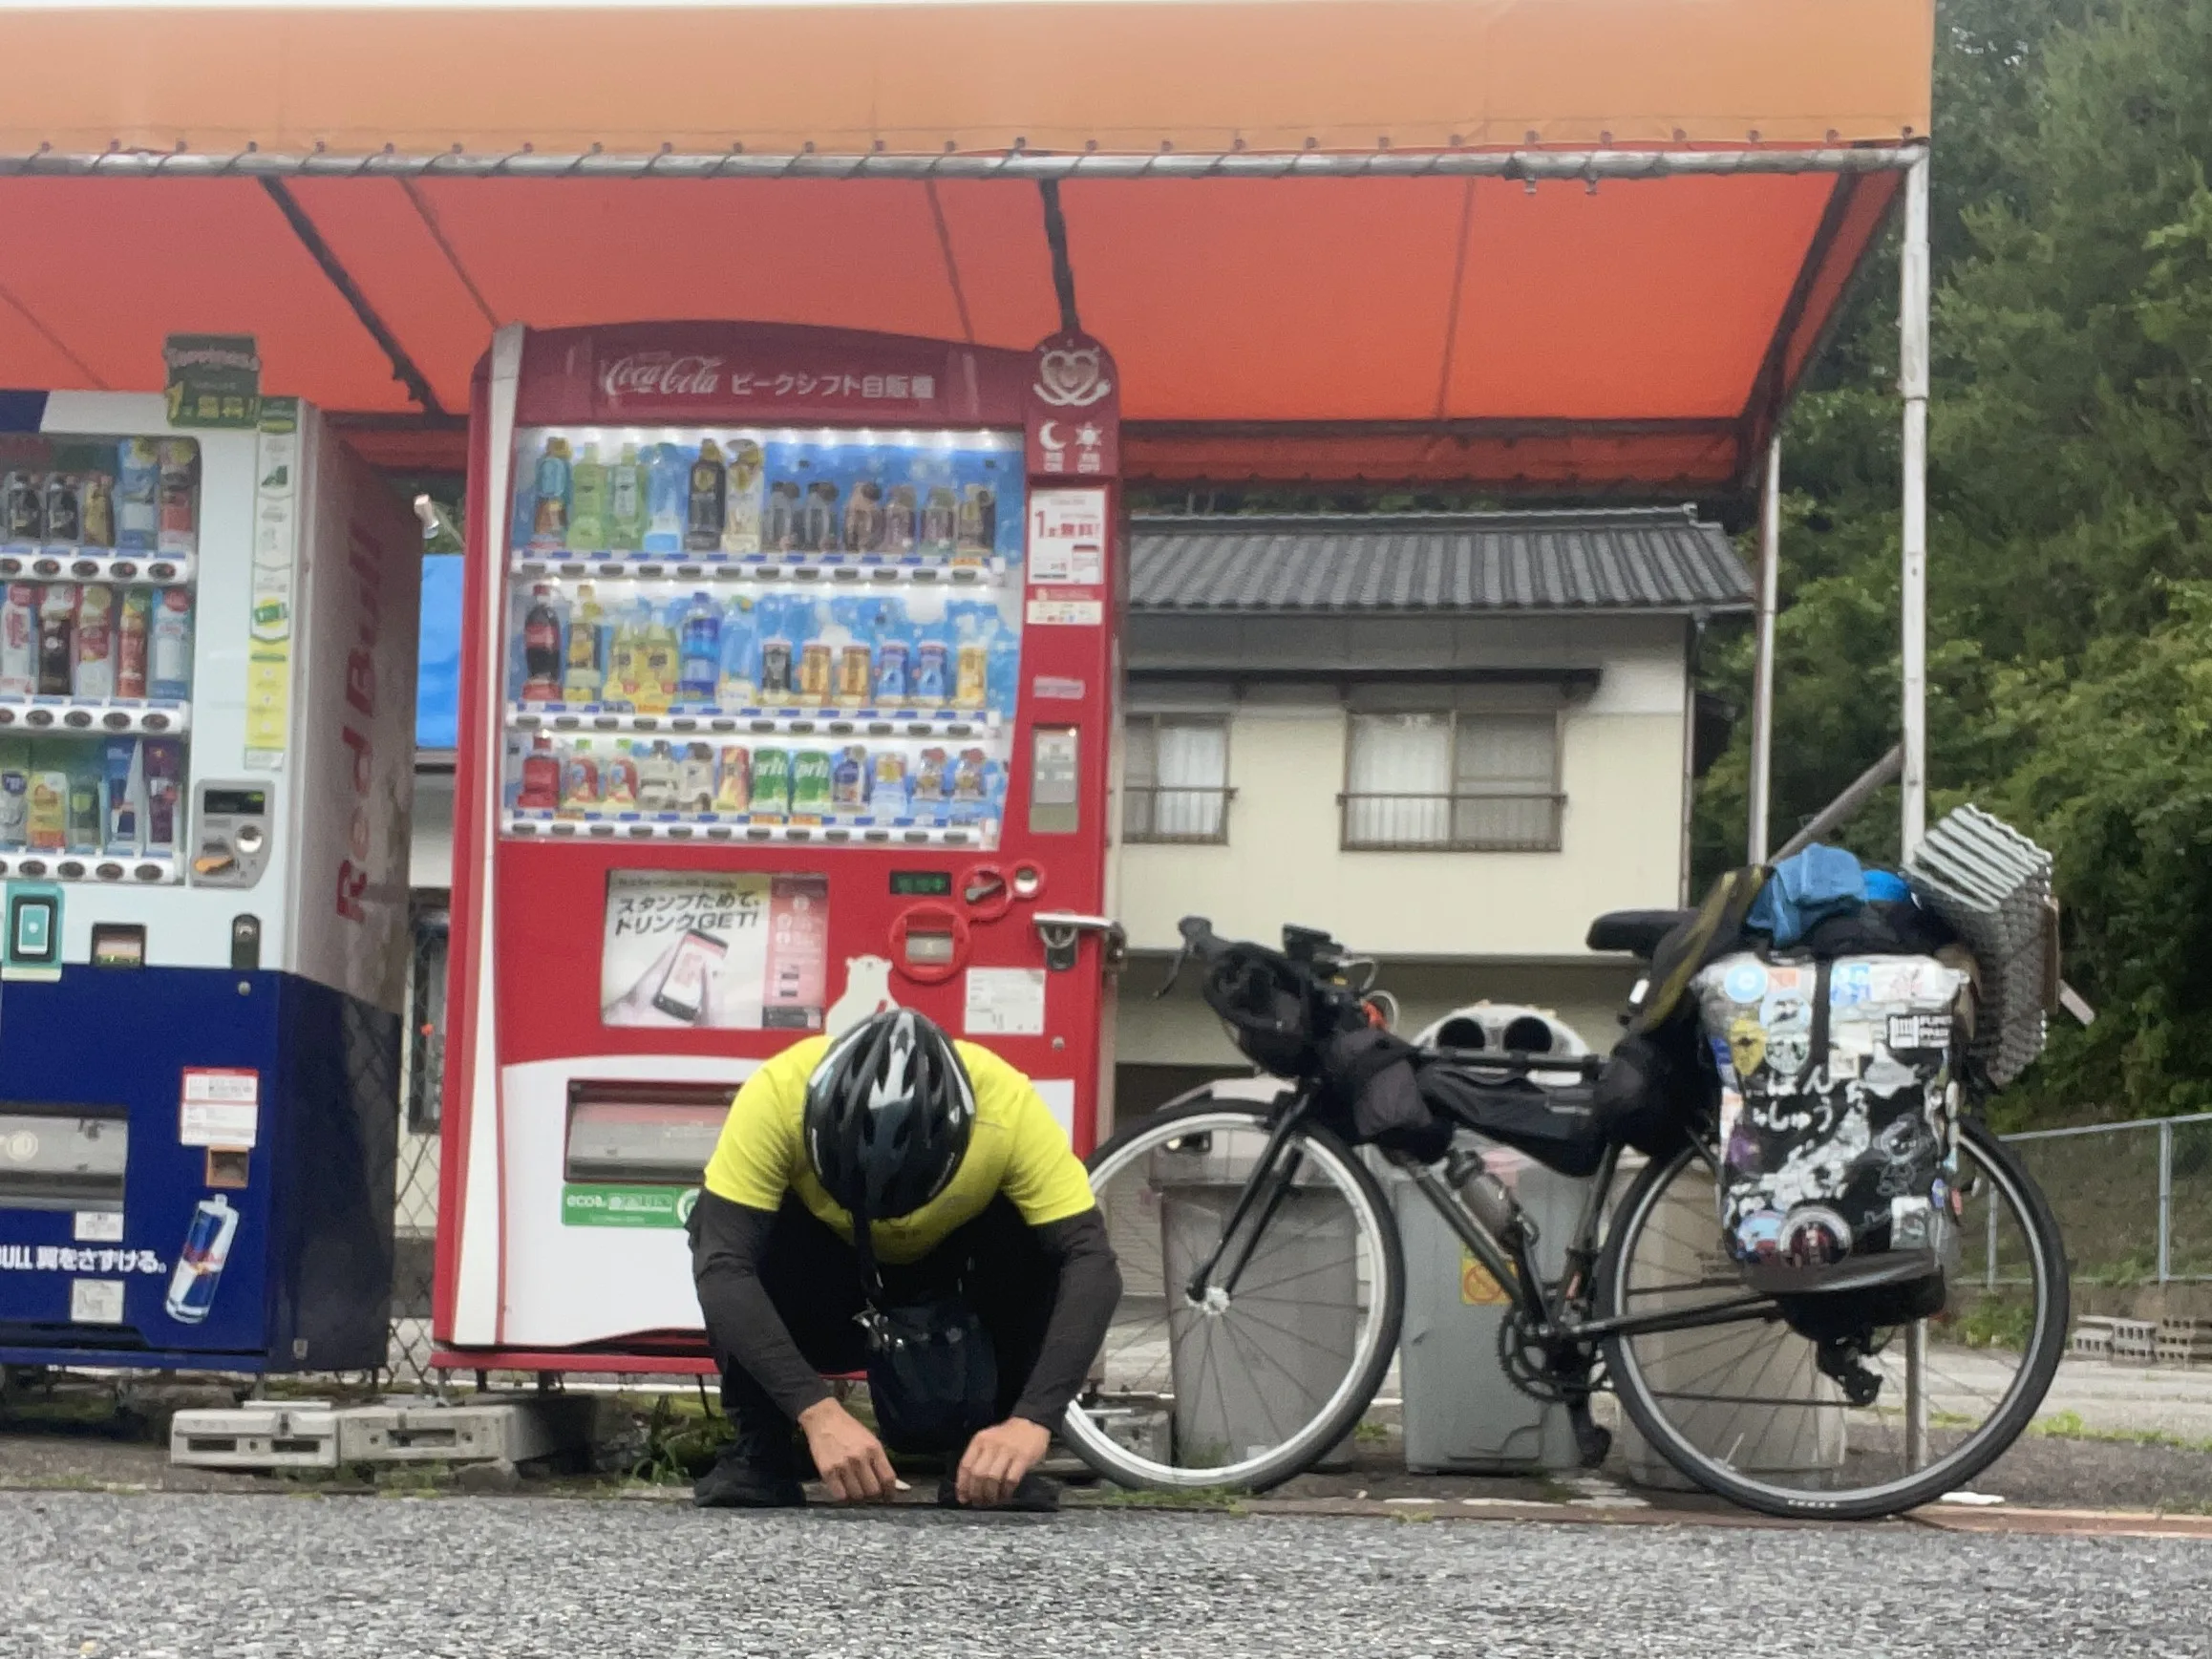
(1467, 288)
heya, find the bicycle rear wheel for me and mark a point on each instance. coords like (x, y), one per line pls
(1744, 1409)
(1252, 1374)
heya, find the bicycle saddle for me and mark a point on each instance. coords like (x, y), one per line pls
(1637, 932)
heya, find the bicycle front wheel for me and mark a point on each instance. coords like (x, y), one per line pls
(1746, 1408)
(1244, 1372)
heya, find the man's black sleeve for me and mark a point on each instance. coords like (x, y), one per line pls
(727, 1242)
(1089, 1286)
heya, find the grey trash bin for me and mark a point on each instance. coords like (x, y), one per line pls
(1290, 1357)
(1462, 1414)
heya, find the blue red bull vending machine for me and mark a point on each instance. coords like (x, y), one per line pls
(207, 704)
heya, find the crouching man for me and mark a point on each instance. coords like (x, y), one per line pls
(895, 1201)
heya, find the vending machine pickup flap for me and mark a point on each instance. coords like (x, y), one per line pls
(660, 1134)
(62, 1158)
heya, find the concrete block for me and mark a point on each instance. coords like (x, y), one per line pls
(268, 1435)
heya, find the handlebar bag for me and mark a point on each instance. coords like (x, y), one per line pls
(1838, 1106)
(1268, 1004)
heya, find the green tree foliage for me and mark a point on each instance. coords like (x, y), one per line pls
(2070, 483)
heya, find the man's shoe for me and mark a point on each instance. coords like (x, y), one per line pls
(1036, 1495)
(749, 1475)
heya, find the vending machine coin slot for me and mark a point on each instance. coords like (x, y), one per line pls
(1029, 880)
(63, 1157)
(1056, 792)
(929, 942)
(232, 825)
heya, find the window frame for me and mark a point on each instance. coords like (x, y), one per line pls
(1451, 842)
(1224, 793)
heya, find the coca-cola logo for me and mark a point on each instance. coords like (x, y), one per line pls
(662, 375)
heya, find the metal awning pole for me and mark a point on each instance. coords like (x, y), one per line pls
(1762, 738)
(1912, 350)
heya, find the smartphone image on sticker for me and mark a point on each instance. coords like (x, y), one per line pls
(683, 992)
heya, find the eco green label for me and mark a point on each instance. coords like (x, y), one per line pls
(214, 380)
(626, 1206)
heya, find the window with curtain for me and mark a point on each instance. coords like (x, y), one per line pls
(1453, 782)
(1175, 778)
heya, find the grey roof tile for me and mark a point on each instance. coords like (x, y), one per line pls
(1660, 559)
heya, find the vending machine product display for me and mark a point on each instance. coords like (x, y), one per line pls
(206, 690)
(788, 691)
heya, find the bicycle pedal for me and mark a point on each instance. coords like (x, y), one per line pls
(1593, 1440)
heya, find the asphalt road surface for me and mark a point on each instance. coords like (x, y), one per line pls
(99, 1576)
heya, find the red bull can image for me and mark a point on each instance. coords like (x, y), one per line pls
(198, 1269)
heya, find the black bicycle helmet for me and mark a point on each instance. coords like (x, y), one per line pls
(888, 1111)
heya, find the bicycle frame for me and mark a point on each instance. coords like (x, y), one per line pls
(1555, 1312)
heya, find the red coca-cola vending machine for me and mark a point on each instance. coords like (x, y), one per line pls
(788, 693)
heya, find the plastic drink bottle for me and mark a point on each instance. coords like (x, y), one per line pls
(668, 478)
(578, 779)
(198, 1269)
(47, 814)
(132, 625)
(587, 527)
(125, 763)
(703, 515)
(657, 669)
(625, 502)
(170, 674)
(22, 511)
(138, 496)
(701, 662)
(20, 640)
(87, 782)
(742, 503)
(97, 511)
(584, 673)
(733, 780)
(541, 777)
(96, 642)
(549, 519)
(63, 525)
(541, 649)
(14, 795)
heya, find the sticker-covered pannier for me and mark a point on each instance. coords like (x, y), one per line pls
(1837, 1120)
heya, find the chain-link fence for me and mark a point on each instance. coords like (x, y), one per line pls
(415, 1211)
(2134, 1200)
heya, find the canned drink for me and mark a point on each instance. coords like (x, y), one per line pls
(22, 506)
(775, 670)
(930, 688)
(733, 780)
(814, 674)
(64, 527)
(772, 781)
(971, 683)
(810, 790)
(892, 673)
(199, 1269)
(856, 675)
(818, 525)
(134, 627)
(849, 780)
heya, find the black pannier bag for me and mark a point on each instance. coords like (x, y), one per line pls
(1838, 1141)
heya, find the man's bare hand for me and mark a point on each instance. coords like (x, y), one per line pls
(996, 1461)
(850, 1458)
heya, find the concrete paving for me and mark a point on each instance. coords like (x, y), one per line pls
(99, 1576)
